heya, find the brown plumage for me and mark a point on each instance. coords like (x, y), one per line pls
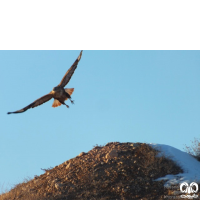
(57, 103)
(59, 93)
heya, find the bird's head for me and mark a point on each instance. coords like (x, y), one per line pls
(54, 90)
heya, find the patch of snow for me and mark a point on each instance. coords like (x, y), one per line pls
(189, 164)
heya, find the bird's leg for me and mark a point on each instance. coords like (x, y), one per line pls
(64, 104)
(71, 101)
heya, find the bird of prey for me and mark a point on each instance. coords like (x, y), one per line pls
(59, 93)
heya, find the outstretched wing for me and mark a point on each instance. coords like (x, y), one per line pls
(70, 72)
(37, 102)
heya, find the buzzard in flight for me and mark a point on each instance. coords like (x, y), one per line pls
(59, 93)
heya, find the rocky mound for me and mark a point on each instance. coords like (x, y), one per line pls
(114, 171)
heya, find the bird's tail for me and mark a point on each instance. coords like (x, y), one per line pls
(57, 103)
(69, 91)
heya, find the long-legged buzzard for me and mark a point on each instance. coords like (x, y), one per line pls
(59, 93)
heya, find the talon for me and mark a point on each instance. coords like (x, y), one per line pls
(67, 106)
(72, 101)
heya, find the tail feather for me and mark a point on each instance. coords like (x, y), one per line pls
(69, 90)
(56, 103)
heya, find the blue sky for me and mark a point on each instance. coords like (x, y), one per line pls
(125, 96)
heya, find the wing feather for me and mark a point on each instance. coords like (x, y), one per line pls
(70, 72)
(37, 102)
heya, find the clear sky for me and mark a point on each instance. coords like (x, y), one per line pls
(124, 96)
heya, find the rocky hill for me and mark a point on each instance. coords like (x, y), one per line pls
(115, 171)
